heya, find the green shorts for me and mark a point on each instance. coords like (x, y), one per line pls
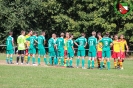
(106, 54)
(81, 53)
(41, 51)
(10, 51)
(52, 53)
(92, 54)
(32, 51)
(60, 53)
(70, 55)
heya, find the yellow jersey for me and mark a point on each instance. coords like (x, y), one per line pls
(116, 46)
(28, 42)
(99, 46)
(123, 43)
(65, 42)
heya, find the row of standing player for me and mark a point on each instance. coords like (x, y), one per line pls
(102, 49)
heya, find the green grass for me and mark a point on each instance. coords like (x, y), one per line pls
(12, 76)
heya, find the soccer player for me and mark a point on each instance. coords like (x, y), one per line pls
(70, 52)
(123, 43)
(9, 48)
(81, 42)
(51, 47)
(41, 48)
(60, 48)
(27, 45)
(116, 50)
(92, 42)
(21, 46)
(99, 49)
(106, 52)
(65, 47)
(32, 47)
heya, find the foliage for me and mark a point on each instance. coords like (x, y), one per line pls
(57, 16)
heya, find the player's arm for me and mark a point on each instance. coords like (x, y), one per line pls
(85, 42)
(127, 47)
(73, 46)
(75, 42)
(13, 42)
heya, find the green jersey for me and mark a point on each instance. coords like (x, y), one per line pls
(32, 40)
(9, 45)
(21, 42)
(106, 41)
(41, 40)
(69, 46)
(81, 43)
(92, 41)
(60, 44)
(51, 43)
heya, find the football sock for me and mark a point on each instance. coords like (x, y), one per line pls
(77, 62)
(92, 63)
(115, 64)
(89, 63)
(50, 60)
(17, 59)
(121, 64)
(118, 63)
(55, 60)
(39, 61)
(22, 59)
(10, 59)
(67, 62)
(83, 62)
(45, 61)
(98, 62)
(101, 64)
(28, 59)
(62, 61)
(71, 62)
(7, 60)
(33, 62)
(105, 62)
(108, 65)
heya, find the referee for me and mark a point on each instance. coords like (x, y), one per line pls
(21, 41)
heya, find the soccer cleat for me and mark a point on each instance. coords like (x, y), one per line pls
(122, 68)
(11, 63)
(71, 67)
(21, 63)
(34, 64)
(17, 63)
(83, 68)
(77, 67)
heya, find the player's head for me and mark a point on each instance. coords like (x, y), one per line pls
(22, 32)
(93, 33)
(71, 36)
(107, 34)
(53, 35)
(62, 34)
(67, 34)
(35, 33)
(116, 37)
(83, 34)
(99, 34)
(121, 36)
(30, 32)
(10, 33)
(43, 33)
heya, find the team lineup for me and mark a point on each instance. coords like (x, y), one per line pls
(61, 49)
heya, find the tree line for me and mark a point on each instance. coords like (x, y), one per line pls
(55, 16)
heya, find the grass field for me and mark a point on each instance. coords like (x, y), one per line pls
(13, 76)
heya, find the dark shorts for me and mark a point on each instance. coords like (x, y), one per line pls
(21, 51)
